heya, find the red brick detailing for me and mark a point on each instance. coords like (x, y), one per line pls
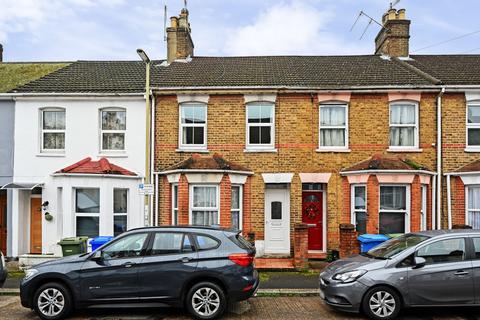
(349, 244)
(415, 204)
(273, 263)
(458, 201)
(225, 201)
(300, 249)
(247, 206)
(165, 202)
(183, 201)
(372, 204)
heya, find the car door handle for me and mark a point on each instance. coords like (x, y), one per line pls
(185, 259)
(461, 273)
(128, 264)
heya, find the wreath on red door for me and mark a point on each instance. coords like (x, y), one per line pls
(311, 211)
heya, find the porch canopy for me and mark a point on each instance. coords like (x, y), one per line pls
(22, 185)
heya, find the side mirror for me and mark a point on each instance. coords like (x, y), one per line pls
(97, 256)
(419, 262)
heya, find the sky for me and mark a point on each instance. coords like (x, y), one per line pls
(68, 30)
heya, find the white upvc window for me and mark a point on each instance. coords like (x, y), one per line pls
(333, 128)
(423, 209)
(87, 212)
(193, 126)
(359, 207)
(472, 200)
(120, 211)
(394, 209)
(174, 204)
(404, 132)
(260, 126)
(52, 137)
(113, 127)
(237, 208)
(204, 205)
(473, 126)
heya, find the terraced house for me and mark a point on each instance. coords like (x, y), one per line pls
(290, 148)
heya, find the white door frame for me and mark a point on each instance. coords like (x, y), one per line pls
(286, 216)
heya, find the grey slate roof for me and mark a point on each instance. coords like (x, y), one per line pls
(91, 77)
(451, 69)
(329, 72)
(287, 71)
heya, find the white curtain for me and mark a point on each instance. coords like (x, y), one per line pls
(205, 197)
(402, 115)
(332, 116)
(332, 137)
(474, 207)
(205, 218)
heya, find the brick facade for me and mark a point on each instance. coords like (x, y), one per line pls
(296, 141)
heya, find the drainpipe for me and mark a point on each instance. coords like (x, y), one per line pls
(152, 154)
(439, 158)
(449, 202)
(434, 207)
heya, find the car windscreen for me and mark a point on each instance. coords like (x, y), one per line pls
(394, 246)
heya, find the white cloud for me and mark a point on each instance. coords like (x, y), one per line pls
(293, 28)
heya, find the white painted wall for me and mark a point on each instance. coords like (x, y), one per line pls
(82, 136)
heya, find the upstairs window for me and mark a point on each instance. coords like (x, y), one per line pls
(473, 126)
(193, 126)
(261, 126)
(53, 130)
(113, 128)
(333, 127)
(404, 125)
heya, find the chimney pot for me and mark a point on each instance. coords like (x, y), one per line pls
(174, 22)
(392, 14)
(401, 14)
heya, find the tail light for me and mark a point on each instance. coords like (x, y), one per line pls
(242, 259)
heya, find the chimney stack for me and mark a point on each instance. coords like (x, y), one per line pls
(179, 39)
(393, 38)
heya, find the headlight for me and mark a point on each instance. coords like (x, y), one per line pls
(350, 276)
(30, 273)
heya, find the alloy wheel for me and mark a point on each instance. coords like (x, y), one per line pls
(51, 302)
(382, 304)
(206, 301)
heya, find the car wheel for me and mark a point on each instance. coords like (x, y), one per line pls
(52, 301)
(382, 303)
(206, 300)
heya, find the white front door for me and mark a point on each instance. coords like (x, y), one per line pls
(277, 221)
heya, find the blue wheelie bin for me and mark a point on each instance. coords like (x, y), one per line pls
(369, 241)
(99, 241)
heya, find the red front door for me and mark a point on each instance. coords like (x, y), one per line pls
(312, 214)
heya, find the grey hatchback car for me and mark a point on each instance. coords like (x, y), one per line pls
(425, 269)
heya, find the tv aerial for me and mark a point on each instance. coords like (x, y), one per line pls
(371, 20)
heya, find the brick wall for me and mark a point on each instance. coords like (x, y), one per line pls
(349, 244)
(296, 141)
(458, 201)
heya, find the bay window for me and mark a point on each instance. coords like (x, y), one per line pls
(53, 130)
(112, 129)
(120, 211)
(359, 208)
(204, 205)
(87, 209)
(473, 207)
(473, 126)
(404, 125)
(193, 126)
(261, 126)
(333, 126)
(236, 208)
(393, 209)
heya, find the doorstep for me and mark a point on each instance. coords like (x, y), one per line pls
(274, 263)
(26, 261)
(317, 254)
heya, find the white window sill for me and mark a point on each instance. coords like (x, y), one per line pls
(471, 149)
(413, 150)
(113, 155)
(260, 150)
(320, 150)
(192, 150)
(51, 155)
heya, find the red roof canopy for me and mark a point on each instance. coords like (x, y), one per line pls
(102, 166)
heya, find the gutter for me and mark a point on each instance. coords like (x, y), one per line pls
(71, 94)
(439, 162)
(247, 173)
(449, 201)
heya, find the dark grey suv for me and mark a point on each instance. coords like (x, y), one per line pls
(429, 268)
(202, 269)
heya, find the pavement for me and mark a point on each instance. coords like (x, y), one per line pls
(266, 308)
